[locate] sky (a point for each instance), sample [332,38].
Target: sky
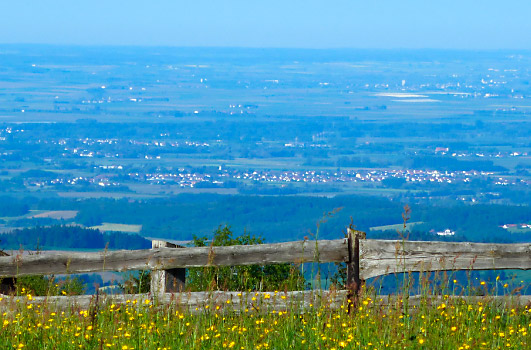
[384,24]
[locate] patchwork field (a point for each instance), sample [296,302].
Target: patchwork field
[398,227]
[57,214]
[107,226]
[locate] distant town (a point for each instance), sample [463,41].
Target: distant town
[194,122]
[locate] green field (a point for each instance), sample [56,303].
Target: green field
[517,230]
[56,214]
[107,226]
[30,214]
[398,227]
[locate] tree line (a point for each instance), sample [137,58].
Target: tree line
[70,237]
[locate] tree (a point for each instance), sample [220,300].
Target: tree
[244,278]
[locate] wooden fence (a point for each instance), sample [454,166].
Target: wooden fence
[364,259]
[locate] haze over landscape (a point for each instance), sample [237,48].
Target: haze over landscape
[111,108]
[243,122]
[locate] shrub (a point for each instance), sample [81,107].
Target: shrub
[253,277]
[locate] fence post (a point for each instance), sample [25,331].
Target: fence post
[167,281]
[353,266]
[7,284]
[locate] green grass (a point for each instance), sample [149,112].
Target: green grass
[374,323]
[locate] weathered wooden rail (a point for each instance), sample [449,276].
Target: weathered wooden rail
[364,258]
[380,257]
[198,302]
[163,258]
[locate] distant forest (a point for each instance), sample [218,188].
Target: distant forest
[271,217]
[71,237]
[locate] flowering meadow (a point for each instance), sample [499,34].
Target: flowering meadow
[372,323]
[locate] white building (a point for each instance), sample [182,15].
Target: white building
[446,232]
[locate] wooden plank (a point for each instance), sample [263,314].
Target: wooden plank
[168,258]
[418,300]
[297,301]
[197,302]
[381,257]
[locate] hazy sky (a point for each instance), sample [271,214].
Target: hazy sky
[477,24]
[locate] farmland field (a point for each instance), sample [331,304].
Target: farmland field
[517,230]
[107,226]
[396,227]
[56,214]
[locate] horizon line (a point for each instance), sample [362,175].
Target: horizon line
[345,48]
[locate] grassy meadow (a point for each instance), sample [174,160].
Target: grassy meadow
[373,323]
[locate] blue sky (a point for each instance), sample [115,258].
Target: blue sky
[456,24]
